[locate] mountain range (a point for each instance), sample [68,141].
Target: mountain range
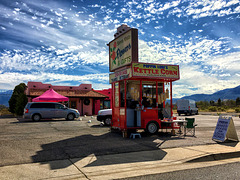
[5,96]
[231,93]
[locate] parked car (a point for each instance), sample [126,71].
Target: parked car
[105,116]
[47,110]
[187,107]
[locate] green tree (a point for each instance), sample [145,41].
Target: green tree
[230,103]
[18,99]
[219,102]
[212,103]
[238,101]
[202,105]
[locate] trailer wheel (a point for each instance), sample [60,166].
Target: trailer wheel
[152,127]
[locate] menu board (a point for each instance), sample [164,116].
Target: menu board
[221,129]
[225,129]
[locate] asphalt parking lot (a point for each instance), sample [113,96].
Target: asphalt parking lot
[29,142]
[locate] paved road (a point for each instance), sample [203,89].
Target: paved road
[223,172]
[26,141]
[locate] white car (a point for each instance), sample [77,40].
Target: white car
[105,116]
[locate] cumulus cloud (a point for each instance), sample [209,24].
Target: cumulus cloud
[14,79]
[202,73]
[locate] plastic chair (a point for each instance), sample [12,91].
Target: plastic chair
[190,126]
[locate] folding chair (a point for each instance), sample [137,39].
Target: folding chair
[190,126]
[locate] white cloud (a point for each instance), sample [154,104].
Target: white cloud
[210,8]
[173,52]
[66,59]
[204,74]
[16,78]
[226,63]
[194,81]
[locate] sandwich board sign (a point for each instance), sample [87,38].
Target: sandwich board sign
[225,130]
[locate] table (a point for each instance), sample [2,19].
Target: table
[170,123]
[181,123]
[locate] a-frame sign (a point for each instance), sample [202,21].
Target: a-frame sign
[225,130]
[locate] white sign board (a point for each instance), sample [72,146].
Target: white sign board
[120,51]
[225,130]
[120,75]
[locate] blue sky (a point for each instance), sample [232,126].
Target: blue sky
[64,42]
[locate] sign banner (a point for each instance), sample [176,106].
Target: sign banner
[120,51]
[120,75]
[155,70]
[123,50]
[225,130]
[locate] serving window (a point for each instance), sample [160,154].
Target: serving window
[149,94]
[133,93]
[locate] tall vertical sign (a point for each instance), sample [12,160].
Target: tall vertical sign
[123,50]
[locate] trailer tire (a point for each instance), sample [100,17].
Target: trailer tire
[152,127]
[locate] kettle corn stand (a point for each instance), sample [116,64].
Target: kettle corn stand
[140,90]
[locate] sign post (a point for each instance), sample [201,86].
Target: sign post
[225,130]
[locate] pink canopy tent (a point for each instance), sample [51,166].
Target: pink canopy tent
[50,96]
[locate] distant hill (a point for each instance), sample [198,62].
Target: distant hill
[231,93]
[5,96]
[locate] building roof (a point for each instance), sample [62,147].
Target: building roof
[68,93]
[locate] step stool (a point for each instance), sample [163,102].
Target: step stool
[133,135]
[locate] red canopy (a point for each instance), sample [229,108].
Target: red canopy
[50,96]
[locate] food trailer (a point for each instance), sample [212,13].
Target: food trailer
[140,90]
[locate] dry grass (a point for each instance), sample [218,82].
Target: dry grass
[230,111]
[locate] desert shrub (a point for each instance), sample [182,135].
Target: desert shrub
[212,108]
[2,107]
[4,112]
[222,109]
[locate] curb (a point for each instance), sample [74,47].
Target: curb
[216,157]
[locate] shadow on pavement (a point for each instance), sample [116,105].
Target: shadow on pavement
[114,148]
[229,143]
[215,157]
